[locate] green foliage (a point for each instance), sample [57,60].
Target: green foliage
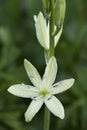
[18,41]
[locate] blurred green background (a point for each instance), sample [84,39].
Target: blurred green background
[18,41]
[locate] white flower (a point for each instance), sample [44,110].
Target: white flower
[42,31]
[43,90]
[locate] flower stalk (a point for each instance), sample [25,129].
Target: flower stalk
[43,91]
[50,54]
[46,119]
[51,31]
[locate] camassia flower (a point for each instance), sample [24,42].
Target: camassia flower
[42,31]
[43,90]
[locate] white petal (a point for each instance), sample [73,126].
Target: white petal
[50,73]
[42,30]
[57,37]
[32,73]
[33,108]
[62,86]
[55,106]
[22,90]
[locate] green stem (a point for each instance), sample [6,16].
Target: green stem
[51,51]
[50,54]
[46,119]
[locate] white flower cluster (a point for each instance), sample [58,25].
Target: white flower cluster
[43,89]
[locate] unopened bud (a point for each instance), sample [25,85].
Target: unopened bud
[60,7]
[46,7]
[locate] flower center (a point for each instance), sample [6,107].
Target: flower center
[44,92]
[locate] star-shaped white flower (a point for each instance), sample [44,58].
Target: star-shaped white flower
[42,31]
[43,90]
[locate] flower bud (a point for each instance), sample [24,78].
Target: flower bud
[46,7]
[46,4]
[60,7]
[42,31]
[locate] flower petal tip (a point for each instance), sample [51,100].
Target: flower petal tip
[35,18]
[11,90]
[40,14]
[62,116]
[25,60]
[53,57]
[27,119]
[8,89]
[72,81]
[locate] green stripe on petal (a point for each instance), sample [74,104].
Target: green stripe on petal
[33,108]
[22,90]
[50,73]
[55,106]
[62,86]
[32,73]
